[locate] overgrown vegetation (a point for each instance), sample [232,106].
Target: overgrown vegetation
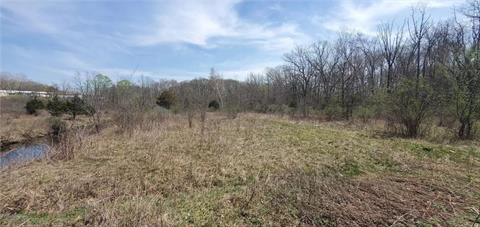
[214,105]
[414,76]
[33,105]
[56,106]
[166,99]
[253,170]
[358,131]
[76,106]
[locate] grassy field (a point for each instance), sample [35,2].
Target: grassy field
[254,170]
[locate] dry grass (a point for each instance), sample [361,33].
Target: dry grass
[15,125]
[253,170]
[14,104]
[17,128]
[319,200]
[22,128]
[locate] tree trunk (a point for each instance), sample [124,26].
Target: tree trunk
[305,106]
[464,131]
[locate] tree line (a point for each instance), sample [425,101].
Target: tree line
[9,81]
[409,74]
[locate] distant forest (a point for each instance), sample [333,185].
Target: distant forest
[9,81]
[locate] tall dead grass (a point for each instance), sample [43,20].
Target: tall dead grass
[252,170]
[320,199]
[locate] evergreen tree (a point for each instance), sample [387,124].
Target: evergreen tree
[33,105]
[55,106]
[166,99]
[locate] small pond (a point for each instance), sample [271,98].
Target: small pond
[23,154]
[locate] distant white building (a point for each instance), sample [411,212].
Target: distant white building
[33,93]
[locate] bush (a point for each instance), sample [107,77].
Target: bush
[33,105]
[333,111]
[56,107]
[439,134]
[260,108]
[166,99]
[57,127]
[214,105]
[76,106]
[409,105]
[292,104]
[127,119]
[364,113]
[65,140]
[278,109]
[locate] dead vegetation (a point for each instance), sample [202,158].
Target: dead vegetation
[319,200]
[16,128]
[252,170]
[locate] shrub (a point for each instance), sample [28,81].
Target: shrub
[128,118]
[278,109]
[56,107]
[33,105]
[65,140]
[89,110]
[214,105]
[409,105]
[333,111]
[57,127]
[364,113]
[260,108]
[292,104]
[166,99]
[75,106]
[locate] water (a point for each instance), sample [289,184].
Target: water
[23,154]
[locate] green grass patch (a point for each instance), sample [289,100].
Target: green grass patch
[71,217]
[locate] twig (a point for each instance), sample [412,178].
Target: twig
[476,221]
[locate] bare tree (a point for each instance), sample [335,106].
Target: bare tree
[465,71]
[217,86]
[418,28]
[391,42]
[370,49]
[95,91]
[301,70]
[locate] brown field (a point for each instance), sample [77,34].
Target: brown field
[19,128]
[253,170]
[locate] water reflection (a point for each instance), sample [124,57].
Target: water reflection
[23,154]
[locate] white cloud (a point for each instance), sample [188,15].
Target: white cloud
[233,70]
[201,22]
[189,21]
[37,16]
[361,17]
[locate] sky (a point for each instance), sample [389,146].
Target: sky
[50,41]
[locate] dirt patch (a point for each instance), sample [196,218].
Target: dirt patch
[317,200]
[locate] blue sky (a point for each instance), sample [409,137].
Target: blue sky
[49,41]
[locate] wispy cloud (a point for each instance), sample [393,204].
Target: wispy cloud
[70,41]
[191,22]
[175,38]
[209,23]
[364,17]
[27,17]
